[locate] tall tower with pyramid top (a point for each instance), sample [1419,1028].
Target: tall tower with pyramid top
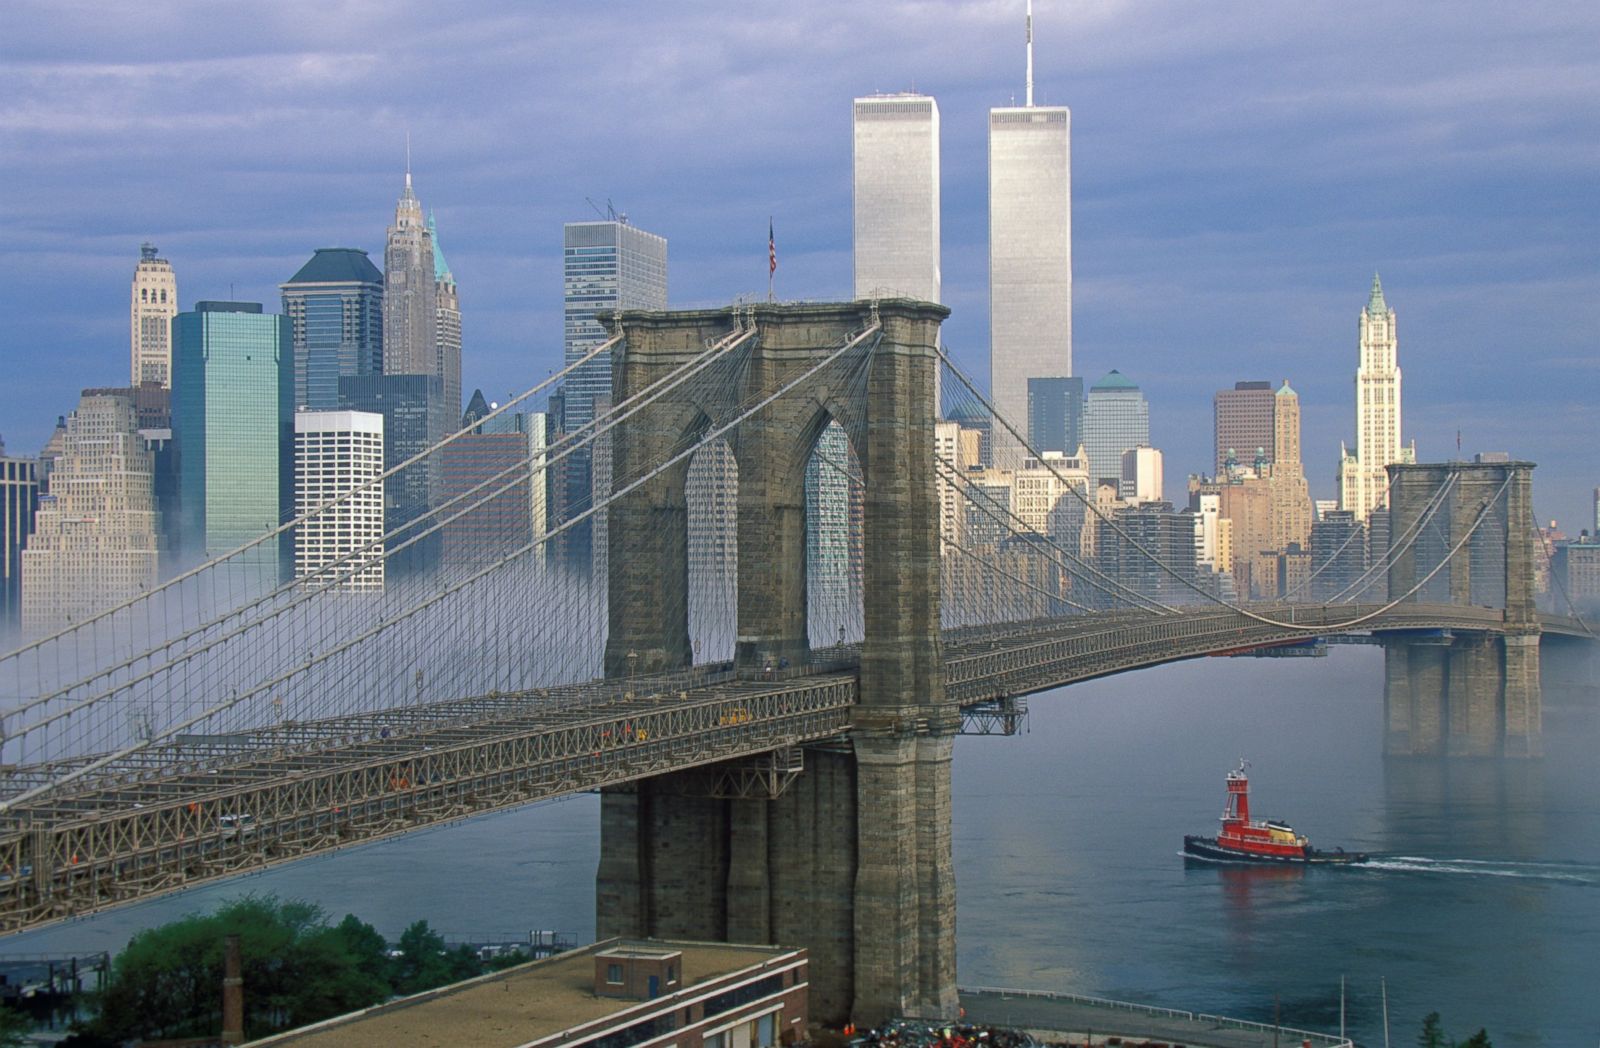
[1363,475]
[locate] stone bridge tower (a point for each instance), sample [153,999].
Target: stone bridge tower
[1464,694]
[853,860]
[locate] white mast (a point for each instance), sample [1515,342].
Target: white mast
[1030,54]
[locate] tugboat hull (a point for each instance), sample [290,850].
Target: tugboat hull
[1210,849]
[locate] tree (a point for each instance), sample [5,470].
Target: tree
[167,982]
[1478,1040]
[425,961]
[1432,1035]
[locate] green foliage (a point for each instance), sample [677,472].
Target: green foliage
[1432,1035]
[14,1028]
[297,970]
[425,961]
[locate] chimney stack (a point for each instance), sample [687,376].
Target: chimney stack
[232,993]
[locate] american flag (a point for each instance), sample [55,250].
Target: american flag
[772,251]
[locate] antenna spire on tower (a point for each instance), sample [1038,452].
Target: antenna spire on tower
[1029,94]
[408,157]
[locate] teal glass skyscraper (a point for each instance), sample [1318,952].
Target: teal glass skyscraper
[335,308]
[232,419]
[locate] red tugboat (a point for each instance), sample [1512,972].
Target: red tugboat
[1244,840]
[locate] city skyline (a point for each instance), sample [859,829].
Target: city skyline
[1194,267]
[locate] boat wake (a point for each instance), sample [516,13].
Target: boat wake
[1560,872]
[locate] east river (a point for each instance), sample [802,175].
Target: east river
[1482,901]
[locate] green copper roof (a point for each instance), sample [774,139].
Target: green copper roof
[1285,391]
[338,265]
[1114,380]
[441,268]
[1375,303]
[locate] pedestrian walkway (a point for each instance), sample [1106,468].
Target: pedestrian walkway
[1058,1016]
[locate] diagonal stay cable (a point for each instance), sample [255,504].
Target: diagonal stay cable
[287,525]
[1079,567]
[1167,568]
[874,328]
[355,560]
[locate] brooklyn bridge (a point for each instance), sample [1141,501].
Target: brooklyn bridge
[774,761]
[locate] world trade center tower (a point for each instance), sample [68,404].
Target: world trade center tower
[1030,256]
[896,161]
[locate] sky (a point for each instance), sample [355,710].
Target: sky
[1240,171]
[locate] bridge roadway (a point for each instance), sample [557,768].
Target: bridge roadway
[205,807]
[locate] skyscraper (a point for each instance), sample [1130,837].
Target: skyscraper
[496,519]
[1291,496]
[410,295]
[606,266]
[447,322]
[335,308]
[413,409]
[19,500]
[1363,478]
[896,193]
[1244,422]
[155,303]
[232,422]
[1115,418]
[1055,414]
[94,539]
[1030,254]
[335,453]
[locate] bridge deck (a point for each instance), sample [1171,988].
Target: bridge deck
[205,807]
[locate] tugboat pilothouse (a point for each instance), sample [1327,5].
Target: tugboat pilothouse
[1245,840]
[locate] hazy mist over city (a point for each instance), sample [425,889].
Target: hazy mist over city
[1239,173]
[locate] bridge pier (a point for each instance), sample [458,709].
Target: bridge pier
[1474,694]
[853,860]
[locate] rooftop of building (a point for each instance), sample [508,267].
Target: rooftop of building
[1375,301]
[227,307]
[338,265]
[519,1005]
[1113,380]
[441,268]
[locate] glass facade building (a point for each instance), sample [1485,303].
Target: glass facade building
[19,500]
[413,409]
[232,423]
[606,266]
[1115,418]
[1030,259]
[1055,414]
[335,308]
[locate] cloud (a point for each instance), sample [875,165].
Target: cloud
[1239,171]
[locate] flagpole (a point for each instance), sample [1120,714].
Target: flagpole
[772,258]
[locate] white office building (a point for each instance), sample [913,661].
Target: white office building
[337,452]
[1363,474]
[94,537]
[155,303]
[896,191]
